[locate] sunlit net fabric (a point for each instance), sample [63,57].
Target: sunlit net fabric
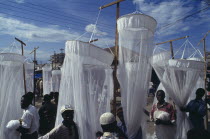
[179,78]
[136,33]
[86,84]
[56,78]
[11,89]
[47,79]
[29,71]
[160,58]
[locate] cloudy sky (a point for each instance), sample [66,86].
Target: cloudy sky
[49,23]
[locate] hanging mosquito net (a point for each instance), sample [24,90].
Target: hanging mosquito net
[29,70]
[86,84]
[179,77]
[56,78]
[136,33]
[11,89]
[47,79]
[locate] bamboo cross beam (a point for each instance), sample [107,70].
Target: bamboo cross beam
[204,37]
[93,40]
[110,4]
[22,44]
[171,44]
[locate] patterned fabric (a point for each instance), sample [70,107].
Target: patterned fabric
[166,107]
[197,110]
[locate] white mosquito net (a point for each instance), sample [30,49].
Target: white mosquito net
[29,71]
[56,78]
[47,79]
[11,89]
[136,32]
[179,78]
[86,84]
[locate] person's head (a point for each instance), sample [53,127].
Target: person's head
[52,95]
[47,98]
[200,92]
[108,122]
[67,113]
[25,101]
[160,95]
[31,96]
[120,114]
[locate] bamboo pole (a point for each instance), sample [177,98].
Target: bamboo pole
[205,79]
[34,51]
[24,74]
[116,53]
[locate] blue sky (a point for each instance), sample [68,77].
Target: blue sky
[49,23]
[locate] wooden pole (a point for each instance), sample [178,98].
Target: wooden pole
[34,51]
[172,51]
[116,53]
[24,74]
[205,79]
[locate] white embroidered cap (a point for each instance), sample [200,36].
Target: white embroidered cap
[66,107]
[107,118]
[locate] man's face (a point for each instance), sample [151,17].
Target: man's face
[68,115]
[24,103]
[160,96]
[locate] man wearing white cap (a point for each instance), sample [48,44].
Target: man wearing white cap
[66,130]
[110,128]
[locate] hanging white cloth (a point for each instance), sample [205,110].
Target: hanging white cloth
[56,78]
[136,33]
[11,89]
[86,84]
[29,71]
[179,78]
[47,79]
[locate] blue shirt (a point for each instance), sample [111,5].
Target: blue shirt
[197,110]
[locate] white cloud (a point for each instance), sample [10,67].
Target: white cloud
[167,12]
[93,28]
[20,1]
[34,33]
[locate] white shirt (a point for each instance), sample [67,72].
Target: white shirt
[30,119]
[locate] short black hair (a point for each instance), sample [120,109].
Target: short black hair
[47,97]
[200,91]
[162,92]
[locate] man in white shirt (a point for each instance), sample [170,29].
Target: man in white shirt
[29,122]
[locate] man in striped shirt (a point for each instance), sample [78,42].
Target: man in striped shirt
[66,130]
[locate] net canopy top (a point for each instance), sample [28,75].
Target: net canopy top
[12,57]
[88,51]
[136,22]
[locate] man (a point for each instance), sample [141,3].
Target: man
[66,130]
[122,126]
[163,114]
[29,122]
[110,128]
[196,109]
[47,114]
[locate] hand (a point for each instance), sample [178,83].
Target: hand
[158,122]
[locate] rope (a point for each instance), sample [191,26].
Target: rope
[95,25]
[185,45]
[178,50]
[81,36]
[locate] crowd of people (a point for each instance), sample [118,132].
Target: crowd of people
[41,124]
